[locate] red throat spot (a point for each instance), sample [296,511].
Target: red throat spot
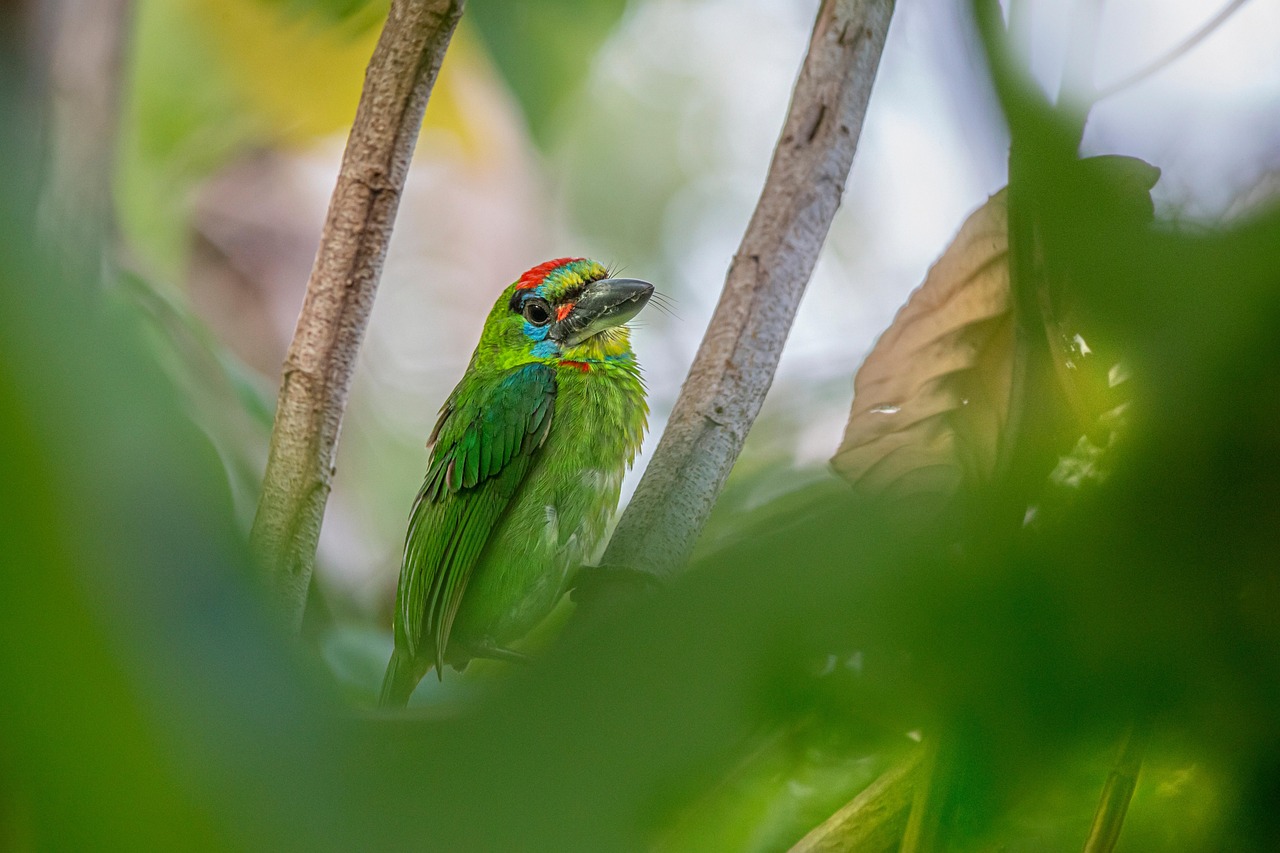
[581,365]
[533,277]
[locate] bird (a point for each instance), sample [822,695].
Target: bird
[526,465]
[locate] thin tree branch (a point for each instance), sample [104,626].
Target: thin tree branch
[1118,791]
[873,821]
[923,830]
[319,365]
[1173,55]
[735,364]
[86,75]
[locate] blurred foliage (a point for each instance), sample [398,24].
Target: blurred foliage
[544,50]
[213,79]
[789,780]
[336,11]
[233,406]
[151,704]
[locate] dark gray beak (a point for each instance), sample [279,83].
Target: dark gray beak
[605,304]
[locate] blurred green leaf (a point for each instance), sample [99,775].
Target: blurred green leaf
[544,50]
[787,783]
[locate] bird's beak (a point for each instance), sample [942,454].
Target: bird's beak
[605,304]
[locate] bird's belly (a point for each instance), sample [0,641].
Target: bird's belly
[550,531]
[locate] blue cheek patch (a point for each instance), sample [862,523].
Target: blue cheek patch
[543,347]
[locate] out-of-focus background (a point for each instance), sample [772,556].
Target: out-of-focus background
[634,132]
[151,700]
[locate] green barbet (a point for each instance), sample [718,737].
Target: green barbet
[526,466]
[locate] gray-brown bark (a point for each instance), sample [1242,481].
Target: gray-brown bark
[739,354]
[319,365]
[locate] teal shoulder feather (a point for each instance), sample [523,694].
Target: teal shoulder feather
[485,443]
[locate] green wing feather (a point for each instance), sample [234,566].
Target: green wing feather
[485,443]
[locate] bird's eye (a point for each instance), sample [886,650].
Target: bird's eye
[537,311]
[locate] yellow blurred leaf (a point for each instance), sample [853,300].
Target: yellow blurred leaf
[301,76]
[217,80]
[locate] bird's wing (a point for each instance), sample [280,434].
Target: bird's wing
[485,445]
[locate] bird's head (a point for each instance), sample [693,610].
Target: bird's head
[568,309]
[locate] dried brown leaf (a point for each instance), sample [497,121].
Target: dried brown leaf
[932,398]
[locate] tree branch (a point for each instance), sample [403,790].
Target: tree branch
[739,354]
[86,75]
[923,831]
[1108,820]
[873,821]
[319,365]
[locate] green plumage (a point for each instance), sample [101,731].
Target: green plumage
[526,465]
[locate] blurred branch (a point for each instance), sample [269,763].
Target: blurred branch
[1173,55]
[1042,141]
[1044,173]
[85,78]
[923,831]
[319,365]
[739,353]
[1043,153]
[1118,791]
[871,822]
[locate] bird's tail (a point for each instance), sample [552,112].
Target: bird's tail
[403,675]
